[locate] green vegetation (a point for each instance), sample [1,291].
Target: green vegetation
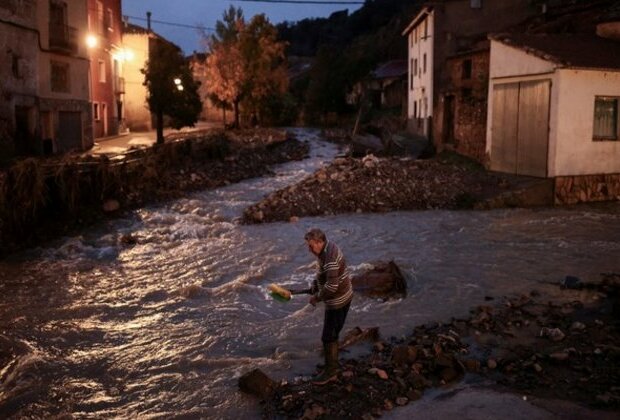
[172,90]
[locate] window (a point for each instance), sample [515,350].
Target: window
[100,23]
[466,70]
[110,20]
[415,109]
[411,74]
[59,79]
[96,113]
[425,28]
[476,4]
[15,67]
[102,71]
[424,63]
[415,67]
[605,118]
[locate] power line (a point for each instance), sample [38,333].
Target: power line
[327,2]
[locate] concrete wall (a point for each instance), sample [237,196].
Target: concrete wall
[137,114]
[575,153]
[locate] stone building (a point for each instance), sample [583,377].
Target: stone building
[44,69]
[443,30]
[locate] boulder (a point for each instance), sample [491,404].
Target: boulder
[357,334]
[384,280]
[257,383]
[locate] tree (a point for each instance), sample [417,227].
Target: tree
[172,90]
[246,64]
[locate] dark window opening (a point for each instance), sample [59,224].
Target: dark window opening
[466,70]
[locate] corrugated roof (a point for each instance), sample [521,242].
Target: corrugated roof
[567,50]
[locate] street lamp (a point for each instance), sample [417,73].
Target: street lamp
[91,41]
[177,82]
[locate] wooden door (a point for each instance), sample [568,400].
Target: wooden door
[520,128]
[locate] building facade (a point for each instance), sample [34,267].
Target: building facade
[107,57]
[553,111]
[45,97]
[443,29]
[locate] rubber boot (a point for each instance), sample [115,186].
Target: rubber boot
[330,373]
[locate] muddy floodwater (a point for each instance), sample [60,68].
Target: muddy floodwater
[164,328]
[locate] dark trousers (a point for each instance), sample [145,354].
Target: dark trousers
[333,323]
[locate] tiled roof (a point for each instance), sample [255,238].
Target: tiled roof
[567,50]
[391,69]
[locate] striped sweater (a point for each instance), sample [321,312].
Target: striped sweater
[333,282]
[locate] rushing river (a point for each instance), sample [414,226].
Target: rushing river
[163,329]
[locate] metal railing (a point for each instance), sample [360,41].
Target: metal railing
[63,38]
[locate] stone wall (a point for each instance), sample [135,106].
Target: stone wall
[586,188]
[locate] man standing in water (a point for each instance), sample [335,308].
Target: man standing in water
[332,286]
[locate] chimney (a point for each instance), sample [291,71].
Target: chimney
[148,21]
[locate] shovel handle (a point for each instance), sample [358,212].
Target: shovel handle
[301,291]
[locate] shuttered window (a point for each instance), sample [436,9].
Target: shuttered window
[605,118]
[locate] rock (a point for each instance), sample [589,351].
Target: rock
[414,395]
[257,383]
[128,239]
[577,326]
[402,355]
[559,356]
[388,405]
[555,334]
[384,280]
[258,216]
[110,206]
[472,365]
[448,374]
[294,219]
[402,401]
[537,367]
[491,363]
[379,372]
[313,412]
[356,335]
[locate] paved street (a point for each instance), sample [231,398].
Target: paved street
[120,143]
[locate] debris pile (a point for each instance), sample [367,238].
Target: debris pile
[372,184]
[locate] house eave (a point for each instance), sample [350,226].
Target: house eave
[418,19]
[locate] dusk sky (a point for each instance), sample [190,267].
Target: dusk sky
[207,12]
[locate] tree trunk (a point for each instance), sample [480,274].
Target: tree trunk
[160,126]
[236,107]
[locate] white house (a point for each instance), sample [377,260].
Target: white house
[420,81]
[553,112]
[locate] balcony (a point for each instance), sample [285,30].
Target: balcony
[119,85]
[63,38]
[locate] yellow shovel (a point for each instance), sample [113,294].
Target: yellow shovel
[281,294]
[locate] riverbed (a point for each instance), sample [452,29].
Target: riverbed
[165,327]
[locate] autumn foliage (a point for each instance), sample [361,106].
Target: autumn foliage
[246,67]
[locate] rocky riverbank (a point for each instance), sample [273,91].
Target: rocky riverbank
[372,184]
[551,344]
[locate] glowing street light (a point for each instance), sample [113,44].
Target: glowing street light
[177,82]
[91,41]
